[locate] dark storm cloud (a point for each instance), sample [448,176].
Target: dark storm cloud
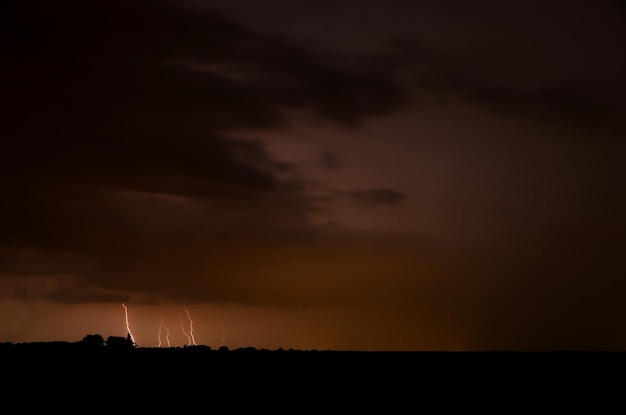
[374,197]
[330,160]
[558,104]
[139,86]
[117,177]
[145,59]
[597,107]
[557,63]
[115,163]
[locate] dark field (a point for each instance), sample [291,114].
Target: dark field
[197,378]
[359,365]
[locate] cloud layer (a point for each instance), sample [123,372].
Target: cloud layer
[125,175]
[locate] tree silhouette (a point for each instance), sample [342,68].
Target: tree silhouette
[120,343]
[92,341]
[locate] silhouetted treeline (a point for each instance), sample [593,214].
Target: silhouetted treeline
[95,365]
[96,342]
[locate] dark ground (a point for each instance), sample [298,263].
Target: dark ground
[296,381]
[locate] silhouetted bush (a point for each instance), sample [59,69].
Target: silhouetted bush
[92,341]
[120,343]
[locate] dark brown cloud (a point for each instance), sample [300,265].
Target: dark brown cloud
[114,163]
[557,64]
[139,59]
[121,180]
[597,111]
[330,160]
[374,197]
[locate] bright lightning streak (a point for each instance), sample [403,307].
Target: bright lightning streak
[167,337]
[182,326]
[162,327]
[193,340]
[127,324]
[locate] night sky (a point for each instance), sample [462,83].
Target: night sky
[315,174]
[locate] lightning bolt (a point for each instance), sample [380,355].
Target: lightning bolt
[162,327]
[127,324]
[182,326]
[190,337]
